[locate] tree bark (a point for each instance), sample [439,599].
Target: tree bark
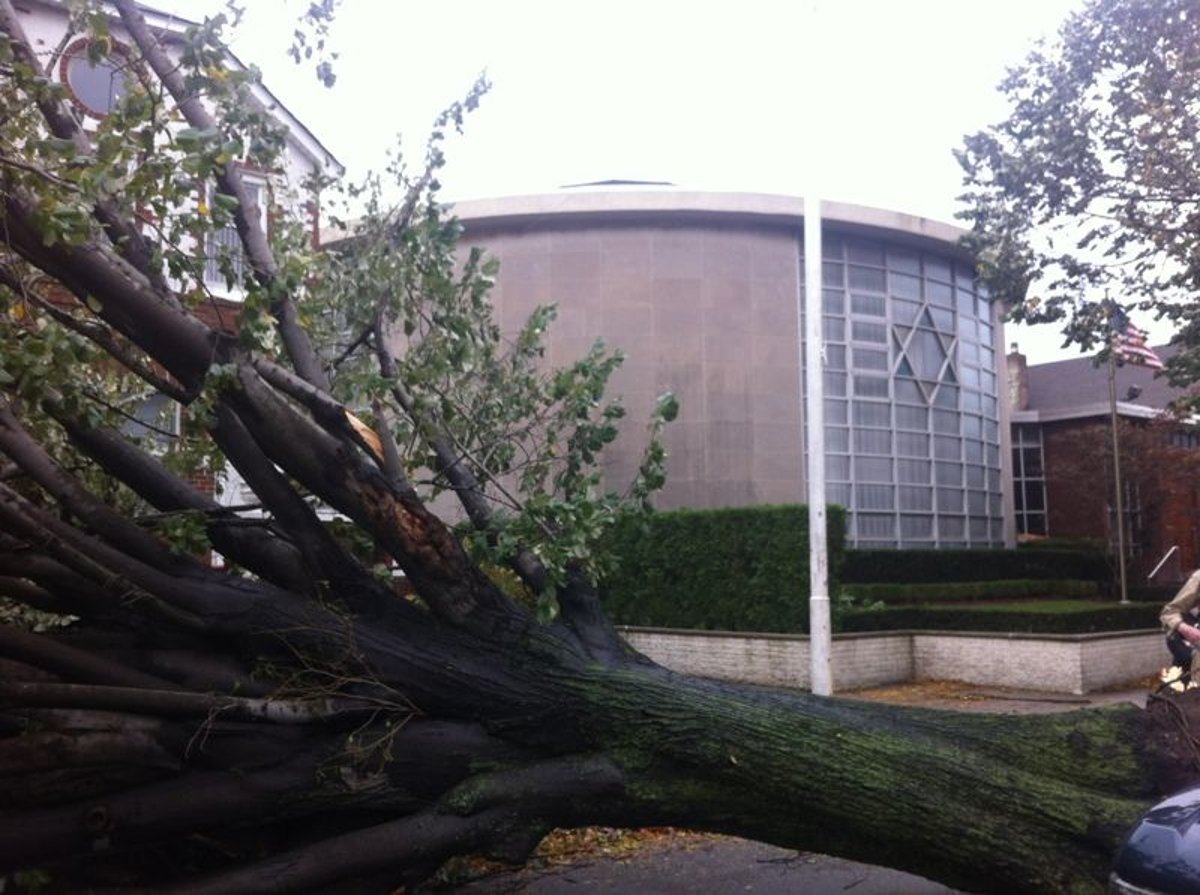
[989,804]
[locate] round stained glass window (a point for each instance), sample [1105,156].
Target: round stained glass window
[96,85]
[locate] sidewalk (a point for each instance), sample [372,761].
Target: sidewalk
[699,864]
[961,697]
[690,863]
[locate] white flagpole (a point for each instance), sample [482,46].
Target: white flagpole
[820,637]
[819,629]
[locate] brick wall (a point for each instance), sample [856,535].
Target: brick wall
[1079,483]
[1108,660]
[1076,664]
[1022,663]
[779,660]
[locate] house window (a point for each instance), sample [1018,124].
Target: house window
[1188,439]
[154,419]
[226,267]
[97,81]
[1029,480]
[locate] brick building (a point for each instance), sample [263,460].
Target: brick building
[1063,470]
[93,86]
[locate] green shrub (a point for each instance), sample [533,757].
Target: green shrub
[1045,617]
[958,591]
[1157,593]
[737,569]
[917,566]
[1072,545]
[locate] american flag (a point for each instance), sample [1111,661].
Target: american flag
[1129,342]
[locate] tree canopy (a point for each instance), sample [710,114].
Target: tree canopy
[1089,188]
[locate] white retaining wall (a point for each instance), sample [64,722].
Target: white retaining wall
[1077,663]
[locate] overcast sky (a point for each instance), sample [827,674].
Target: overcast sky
[701,95]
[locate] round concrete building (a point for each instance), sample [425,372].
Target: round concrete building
[701,292]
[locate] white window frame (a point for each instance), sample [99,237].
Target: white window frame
[226,240]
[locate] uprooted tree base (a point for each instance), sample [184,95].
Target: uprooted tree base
[497,741]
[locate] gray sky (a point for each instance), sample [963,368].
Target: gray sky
[703,95]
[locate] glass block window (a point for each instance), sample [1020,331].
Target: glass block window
[903,286]
[949,500]
[951,526]
[837,468]
[913,526]
[872,413]
[868,332]
[867,279]
[871,386]
[837,439]
[838,493]
[874,525]
[876,497]
[912,418]
[872,469]
[870,359]
[872,441]
[915,471]
[913,375]
[912,444]
[868,305]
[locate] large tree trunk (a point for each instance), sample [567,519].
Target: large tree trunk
[462,744]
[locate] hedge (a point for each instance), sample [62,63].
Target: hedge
[917,566]
[957,591]
[1086,545]
[1054,618]
[737,569]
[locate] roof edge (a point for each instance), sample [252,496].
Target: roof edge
[756,208]
[1084,411]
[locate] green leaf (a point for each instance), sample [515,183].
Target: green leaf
[668,406]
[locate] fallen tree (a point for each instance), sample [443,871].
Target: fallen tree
[295,720]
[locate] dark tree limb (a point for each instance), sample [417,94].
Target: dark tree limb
[425,548]
[450,464]
[75,498]
[192,801]
[331,414]
[75,594]
[71,663]
[31,595]
[506,813]
[36,753]
[175,703]
[583,614]
[254,547]
[318,553]
[126,300]
[253,237]
[196,604]
[103,337]
[124,235]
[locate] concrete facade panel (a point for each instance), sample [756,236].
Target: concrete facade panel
[700,291]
